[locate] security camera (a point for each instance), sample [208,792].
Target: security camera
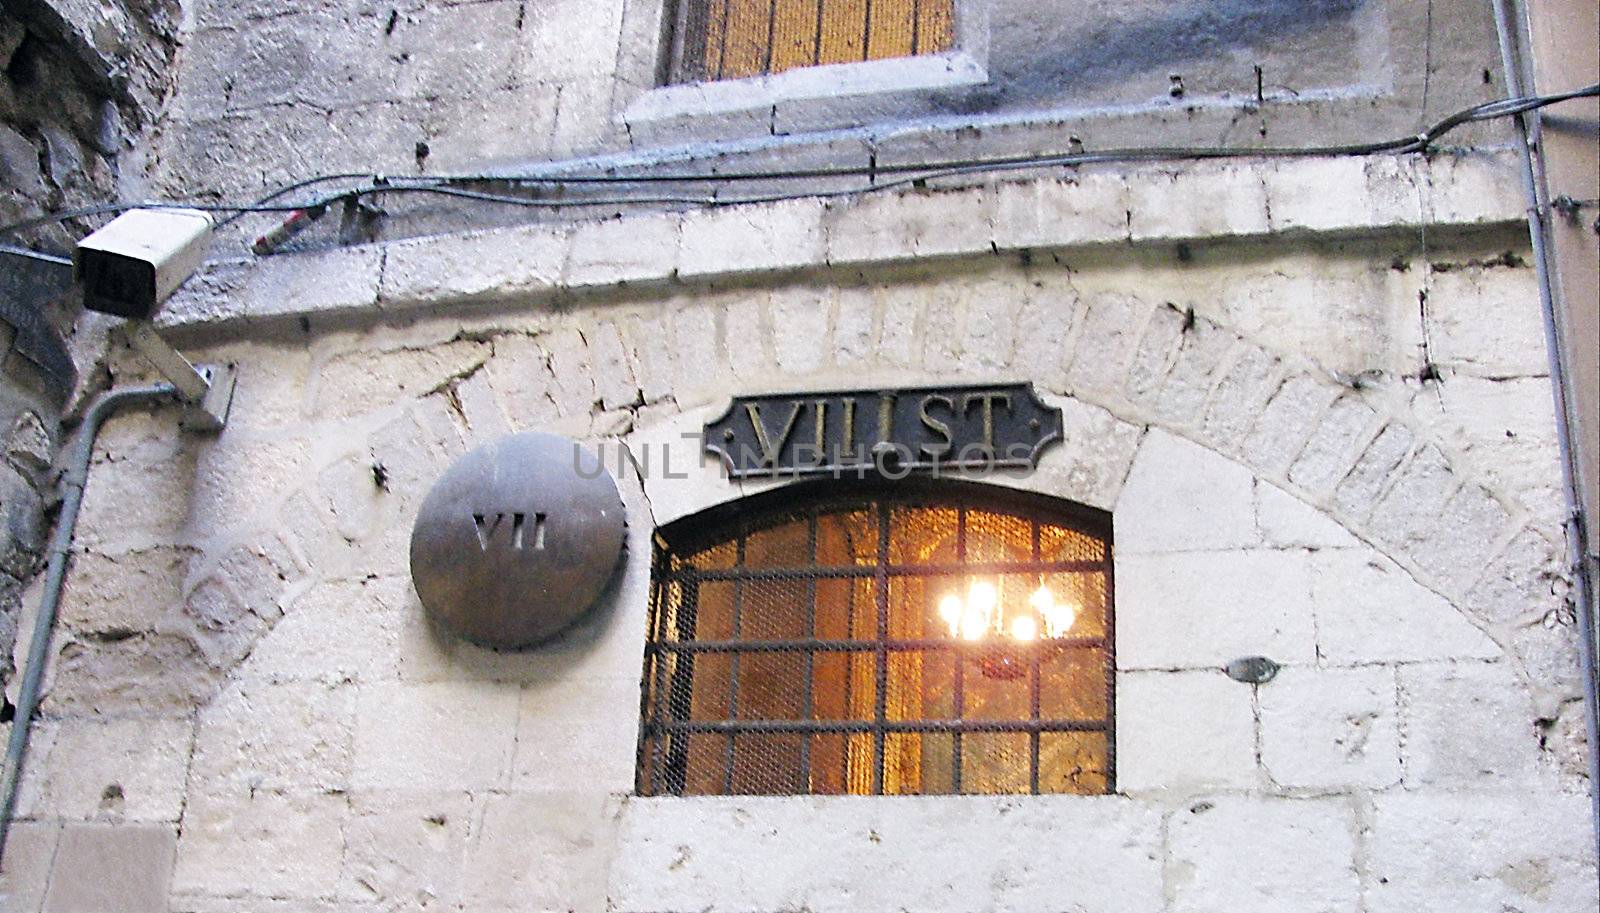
[129,267]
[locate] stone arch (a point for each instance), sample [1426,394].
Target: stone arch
[1347,447]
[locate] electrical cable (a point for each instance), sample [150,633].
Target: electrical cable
[448,185]
[34,255]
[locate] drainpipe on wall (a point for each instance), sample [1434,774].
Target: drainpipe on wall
[73,480]
[1567,420]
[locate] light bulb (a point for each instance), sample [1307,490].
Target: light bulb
[974,624]
[982,597]
[1059,620]
[1023,627]
[950,610]
[1042,600]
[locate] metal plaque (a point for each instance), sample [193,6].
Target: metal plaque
[889,432]
[517,540]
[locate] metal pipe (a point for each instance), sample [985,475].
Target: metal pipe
[1538,229]
[73,481]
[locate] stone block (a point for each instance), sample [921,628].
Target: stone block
[1184,731]
[129,770]
[1416,499]
[613,376]
[451,51]
[1090,465]
[1288,420]
[989,336]
[419,736]
[25,874]
[854,331]
[1205,609]
[333,632]
[112,594]
[1486,321]
[1301,857]
[1524,582]
[755,237]
[697,351]
[1197,202]
[900,343]
[505,126]
[330,282]
[1181,497]
[569,39]
[1286,521]
[1331,728]
[1464,537]
[1181,394]
[1507,424]
[521,376]
[568,353]
[217,622]
[135,502]
[915,854]
[1501,850]
[631,249]
[1241,392]
[550,851]
[111,869]
[1156,352]
[1334,446]
[1467,725]
[295,735]
[475,266]
[149,674]
[1049,310]
[1370,610]
[679,477]
[406,848]
[1106,342]
[589,118]
[1549,655]
[1087,208]
[354,383]
[1475,187]
[578,734]
[263,844]
[1318,194]
[801,315]
[901,225]
[1356,495]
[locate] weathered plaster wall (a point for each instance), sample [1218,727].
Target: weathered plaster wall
[249,711]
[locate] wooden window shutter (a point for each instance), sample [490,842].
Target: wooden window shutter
[734,39]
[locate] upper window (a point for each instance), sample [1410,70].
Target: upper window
[904,639]
[732,39]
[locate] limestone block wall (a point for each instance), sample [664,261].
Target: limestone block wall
[1334,449]
[272,92]
[79,83]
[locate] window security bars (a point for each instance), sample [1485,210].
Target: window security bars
[814,647]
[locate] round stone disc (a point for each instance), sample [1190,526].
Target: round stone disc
[517,540]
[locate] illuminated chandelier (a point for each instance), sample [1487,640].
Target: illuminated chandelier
[1000,638]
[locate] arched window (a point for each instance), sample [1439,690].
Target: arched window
[912,638]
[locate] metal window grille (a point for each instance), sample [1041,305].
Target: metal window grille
[796,647]
[732,39]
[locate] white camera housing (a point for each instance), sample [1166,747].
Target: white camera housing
[129,267]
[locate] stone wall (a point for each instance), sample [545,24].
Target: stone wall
[1335,449]
[79,84]
[273,92]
